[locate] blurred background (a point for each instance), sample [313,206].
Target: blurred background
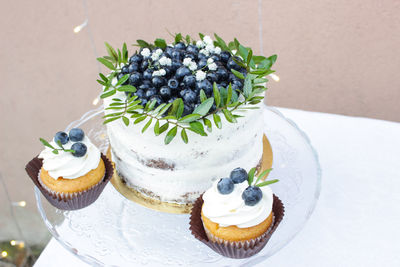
[333,56]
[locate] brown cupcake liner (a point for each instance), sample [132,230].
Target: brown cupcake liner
[69,201]
[236,250]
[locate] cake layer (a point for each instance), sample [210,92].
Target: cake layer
[180,172]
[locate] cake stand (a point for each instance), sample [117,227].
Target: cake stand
[115,231]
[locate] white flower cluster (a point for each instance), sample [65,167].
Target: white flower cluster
[211,64]
[188,62]
[156,54]
[200,75]
[165,61]
[145,52]
[207,47]
[160,72]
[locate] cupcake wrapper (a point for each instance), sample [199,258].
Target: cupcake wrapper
[71,201]
[236,250]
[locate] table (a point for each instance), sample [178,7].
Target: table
[357,219]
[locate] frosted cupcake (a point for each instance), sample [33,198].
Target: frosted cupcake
[238,214]
[72,171]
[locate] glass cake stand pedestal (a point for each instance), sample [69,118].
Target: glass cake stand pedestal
[115,231]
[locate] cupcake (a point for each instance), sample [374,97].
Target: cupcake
[238,215]
[72,171]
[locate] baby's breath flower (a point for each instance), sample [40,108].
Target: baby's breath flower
[192,66]
[200,75]
[145,52]
[212,66]
[187,61]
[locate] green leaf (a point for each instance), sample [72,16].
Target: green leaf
[147,125]
[123,79]
[55,151]
[221,43]
[106,63]
[119,56]
[104,78]
[262,175]
[124,53]
[187,39]
[260,80]
[273,59]
[217,96]
[111,119]
[229,95]
[140,119]
[150,105]
[184,136]
[178,38]
[125,120]
[164,109]
[111,51]
[204,107]
[170,135]
[175,105]
[45,143]
[249,56]
[179,110]
[267,183]
[157,128]
[228,115]
[101,82]
[217,120]
[169,117]
[208,123]
[108,93]
[142,43]
[243,52]
[197,127]
[164,127]
[160,43]
[251,175]
[247,86]
[258,59]
[113,114]
[201,36]
[203,95]
[238,74]
[190,118]
[127,88]
[159,108]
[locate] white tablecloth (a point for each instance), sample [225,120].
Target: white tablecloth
[357,219]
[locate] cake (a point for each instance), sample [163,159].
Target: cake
[72,164]
[181,115]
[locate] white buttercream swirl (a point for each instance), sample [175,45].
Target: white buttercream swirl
[67,166]
[230,209]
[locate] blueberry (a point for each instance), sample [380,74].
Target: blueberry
[136,58]
[165,92]
[144,65]
[168,50]
[222,74]
[62,137]
[125,69]
[76,134]
[79,148]
[212,77]
[135,78]
[182,72]
[148,74]
[225,56]
[168,71]
[140,93]
[189,81]
[143,101]
[157,98]
[151,92]
[133,67]
[238,175]
[216,58]
[223,84]
[172,99]
[187,109]
[202,63]
[180,46]
[205,85]
[192,49]
[173,84]
[235,87]
[176,55]
[201,56]
[189,96]
[190,55]
[225,186]
[175,65]
[232,64]
[144,86]
[252,195]
[158,81]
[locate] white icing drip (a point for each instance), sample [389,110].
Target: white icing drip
[230,209]
[67,166]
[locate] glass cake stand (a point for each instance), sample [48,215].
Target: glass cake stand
[117,232]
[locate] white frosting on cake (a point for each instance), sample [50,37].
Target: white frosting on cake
[184,171]
[230,209]
[66,165]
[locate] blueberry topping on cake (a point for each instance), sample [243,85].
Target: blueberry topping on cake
[79,149]
[225,186]
[252,195]
[61,137]
[238,175]
[76,134]
[206,77]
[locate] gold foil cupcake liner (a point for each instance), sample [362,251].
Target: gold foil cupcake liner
[236,250]
[71,201]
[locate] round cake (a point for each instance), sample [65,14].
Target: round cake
[180,116]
